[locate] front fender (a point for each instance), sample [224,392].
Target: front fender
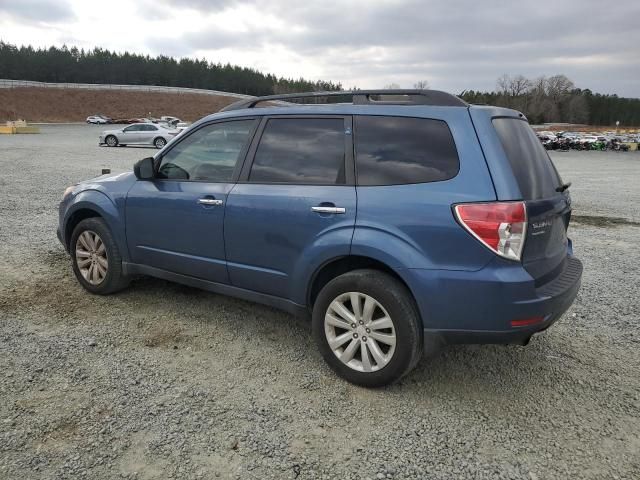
[103,205]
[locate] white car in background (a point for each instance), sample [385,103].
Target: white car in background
[182,126]
[588,139]
[97,120]
[138,134]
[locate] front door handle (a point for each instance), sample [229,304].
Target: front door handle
[321,209]
[210,202]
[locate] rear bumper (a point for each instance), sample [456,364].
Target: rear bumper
[478,307]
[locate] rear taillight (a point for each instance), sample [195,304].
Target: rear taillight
[500,226]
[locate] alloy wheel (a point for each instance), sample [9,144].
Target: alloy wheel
[360,332]
[91,257]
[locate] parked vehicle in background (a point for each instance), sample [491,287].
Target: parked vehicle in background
[182,126]
[169,121]
[397,224]
[97,120]
[138,134]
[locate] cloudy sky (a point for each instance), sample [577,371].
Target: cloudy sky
[454,45]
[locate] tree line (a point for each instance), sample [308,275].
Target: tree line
[73,65]
[556,99]
[542,100]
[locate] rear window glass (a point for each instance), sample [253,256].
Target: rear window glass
[301,151]
[402,150]
[535,173]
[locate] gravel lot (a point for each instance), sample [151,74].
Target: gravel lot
[164,381]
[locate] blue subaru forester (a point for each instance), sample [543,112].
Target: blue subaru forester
[399,220]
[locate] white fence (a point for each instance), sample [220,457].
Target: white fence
[94,86]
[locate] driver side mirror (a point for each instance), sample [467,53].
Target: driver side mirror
[143,169]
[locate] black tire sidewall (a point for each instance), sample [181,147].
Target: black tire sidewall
[155,142]
[106,140]
[114,279]
[398,302]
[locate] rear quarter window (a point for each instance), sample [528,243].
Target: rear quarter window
[403,150]
[533,169]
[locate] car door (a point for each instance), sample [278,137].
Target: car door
[295,204]
[130,135]
[175,221]
[147,134]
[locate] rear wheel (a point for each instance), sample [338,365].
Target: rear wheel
[111,141]
[367,328]
[159,142]
[96,260]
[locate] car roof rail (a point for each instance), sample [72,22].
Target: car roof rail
[360,97]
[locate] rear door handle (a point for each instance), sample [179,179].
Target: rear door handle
[211,202]
[338,210]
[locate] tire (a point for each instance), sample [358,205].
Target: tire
[393,300]
[159,142]
[111,141]
[81,249]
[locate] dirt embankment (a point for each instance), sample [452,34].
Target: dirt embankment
[74,105]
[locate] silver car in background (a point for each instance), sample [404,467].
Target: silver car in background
[138,134]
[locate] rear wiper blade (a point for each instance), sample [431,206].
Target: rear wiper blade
[563,187]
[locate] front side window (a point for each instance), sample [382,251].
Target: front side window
[208,154]
[301,151]
[403,150]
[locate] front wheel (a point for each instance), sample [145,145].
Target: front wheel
[95,257]
[159,142]
[111,141]
[367,328]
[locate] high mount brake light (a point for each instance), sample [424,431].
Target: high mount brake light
[500,226]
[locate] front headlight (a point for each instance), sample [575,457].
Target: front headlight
[67,191]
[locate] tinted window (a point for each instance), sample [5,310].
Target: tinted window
[302,151]
[132,128]
[208,154]
[532,167]
[149,128]
[398,150]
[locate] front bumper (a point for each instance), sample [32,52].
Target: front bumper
[478,307]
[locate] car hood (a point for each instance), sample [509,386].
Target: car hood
[107,132]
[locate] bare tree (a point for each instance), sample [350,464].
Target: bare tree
[519,85]
[514,90]
[421,85]
[559,86]
[502,84]
[545,99]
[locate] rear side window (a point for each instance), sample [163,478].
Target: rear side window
[301,151]
[401,150]
[535,173]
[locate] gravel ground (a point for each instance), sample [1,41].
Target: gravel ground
[164,381]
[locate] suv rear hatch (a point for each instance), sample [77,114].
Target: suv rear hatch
[546,198]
